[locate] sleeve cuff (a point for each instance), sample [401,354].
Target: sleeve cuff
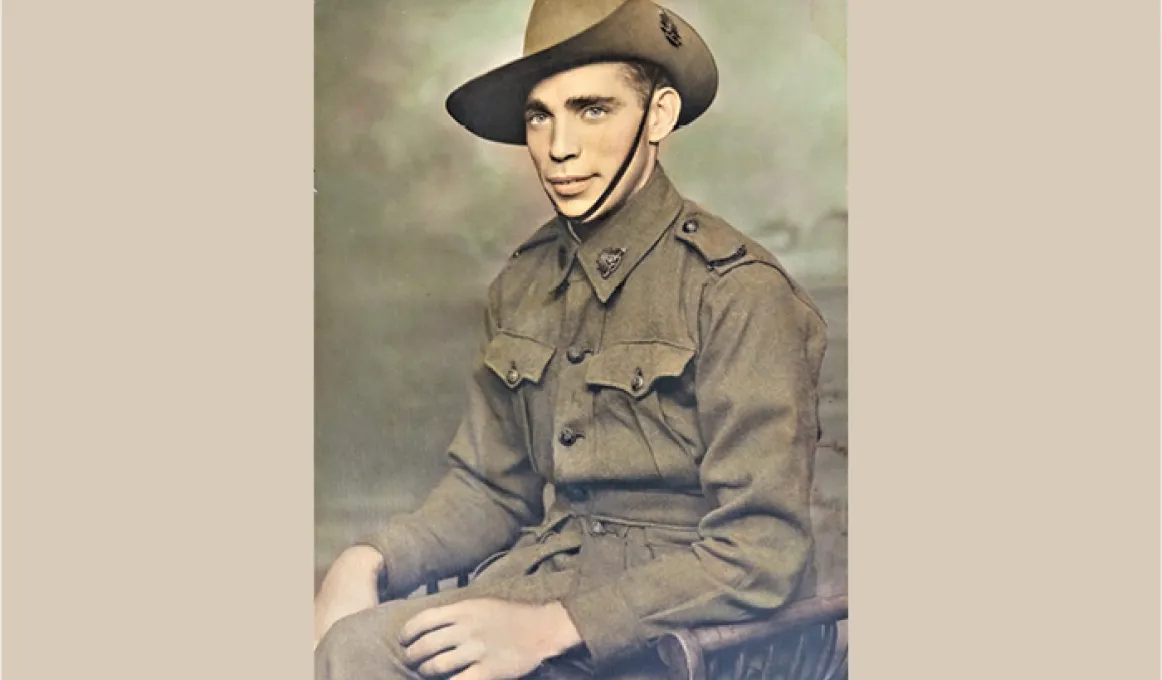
[606,624]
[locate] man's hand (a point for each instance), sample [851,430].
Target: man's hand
[486,639]
[350,586]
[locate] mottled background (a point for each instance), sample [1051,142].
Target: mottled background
[414,216]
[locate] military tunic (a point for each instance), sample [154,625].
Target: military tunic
[660,376]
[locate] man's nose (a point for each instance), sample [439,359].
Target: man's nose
[563,145]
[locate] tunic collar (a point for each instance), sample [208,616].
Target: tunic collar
[621,240]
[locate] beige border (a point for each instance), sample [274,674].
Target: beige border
[157,465]
[1004,340]
[157,287]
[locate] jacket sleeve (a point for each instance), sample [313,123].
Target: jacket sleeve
[756,377]
[480,504]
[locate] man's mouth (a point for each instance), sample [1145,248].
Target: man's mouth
[570,185]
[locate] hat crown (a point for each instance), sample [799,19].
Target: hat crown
[554,21]
[566,34]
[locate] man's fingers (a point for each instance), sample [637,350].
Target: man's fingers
[432,643]
[452,660]
[427,620]
[473,672]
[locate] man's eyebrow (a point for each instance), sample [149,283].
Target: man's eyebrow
[536,105]
[578,103]
[583,102]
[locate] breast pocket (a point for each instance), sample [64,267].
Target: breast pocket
[520,363]
[517,360]
[636,386]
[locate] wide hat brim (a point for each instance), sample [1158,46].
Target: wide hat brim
[492,105]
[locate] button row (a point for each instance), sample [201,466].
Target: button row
[569,436]
[576,355]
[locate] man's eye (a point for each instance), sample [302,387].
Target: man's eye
[594,112]
[536,118]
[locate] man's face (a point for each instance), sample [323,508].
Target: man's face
[580,125]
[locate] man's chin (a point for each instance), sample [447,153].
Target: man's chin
[573,207]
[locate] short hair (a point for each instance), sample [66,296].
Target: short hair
[641,74]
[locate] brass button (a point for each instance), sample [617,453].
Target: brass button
[597,528]
[513,375]
[568,437]
[638,381]
[690,226]
[575,355]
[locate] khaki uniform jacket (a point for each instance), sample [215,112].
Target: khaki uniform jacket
[661,376]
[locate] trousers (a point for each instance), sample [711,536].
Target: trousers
[365,646]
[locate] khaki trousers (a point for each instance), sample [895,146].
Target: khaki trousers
[365,646]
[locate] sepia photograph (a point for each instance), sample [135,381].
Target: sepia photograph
[580,339]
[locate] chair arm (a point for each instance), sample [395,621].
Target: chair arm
[795,615]
[684,652]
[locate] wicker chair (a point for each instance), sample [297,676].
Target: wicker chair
[802,641]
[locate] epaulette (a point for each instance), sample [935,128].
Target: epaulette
[545,233]
[723,248]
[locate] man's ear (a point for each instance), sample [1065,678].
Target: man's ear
[664,112]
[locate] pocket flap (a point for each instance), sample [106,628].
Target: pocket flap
[634,367]
[516,359]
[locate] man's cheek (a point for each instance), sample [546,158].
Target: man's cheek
[610,146]
[538,163]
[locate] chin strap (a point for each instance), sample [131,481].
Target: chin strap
[571,221]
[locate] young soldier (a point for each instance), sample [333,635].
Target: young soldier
[652,364]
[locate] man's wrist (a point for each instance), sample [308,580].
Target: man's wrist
[564,635]
[364,559]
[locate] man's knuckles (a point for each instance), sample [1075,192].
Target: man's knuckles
[425,648]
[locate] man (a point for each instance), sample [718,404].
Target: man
[652,365]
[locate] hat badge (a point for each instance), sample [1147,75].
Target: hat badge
[670,29]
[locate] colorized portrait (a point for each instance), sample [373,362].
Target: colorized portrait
[581,339]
